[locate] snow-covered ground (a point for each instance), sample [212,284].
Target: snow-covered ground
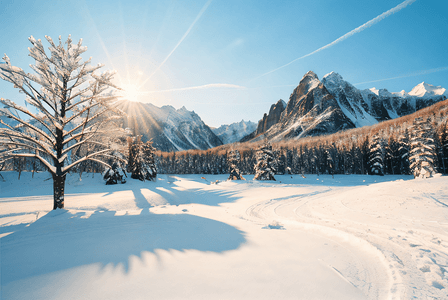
[351,237]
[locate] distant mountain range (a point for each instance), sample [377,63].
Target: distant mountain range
[170,129]
[314,108]
[323,107]
[234,132]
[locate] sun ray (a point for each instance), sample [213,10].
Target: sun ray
[204,8]
[95,28]
[125,50]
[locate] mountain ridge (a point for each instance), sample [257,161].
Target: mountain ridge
[231,133]
[317,107]
[170,129]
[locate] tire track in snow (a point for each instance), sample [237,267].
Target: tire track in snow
[411,264]
[366,275]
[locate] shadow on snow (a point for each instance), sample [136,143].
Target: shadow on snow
[61,240]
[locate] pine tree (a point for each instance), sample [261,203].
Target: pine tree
[376,159]
[330,163]
[75,108]
[403,150]
[422,153]
[141,159]
[233,159]
[150,170]
[264,169]
[442,149]
[115,174]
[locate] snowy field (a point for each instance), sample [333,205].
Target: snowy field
[351,237]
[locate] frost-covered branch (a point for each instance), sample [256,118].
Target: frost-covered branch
[88,157]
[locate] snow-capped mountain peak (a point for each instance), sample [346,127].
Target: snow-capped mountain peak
[234,132]
[427,90]
[402,94]
[375,91]
[384,93]
[333,78]
[310,81]
[322,107]
[170,129]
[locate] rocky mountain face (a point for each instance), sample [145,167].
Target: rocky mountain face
[234,132]
[268,120]
[323,107]
[311,110]
[272,117]
[363,105]
[169,129]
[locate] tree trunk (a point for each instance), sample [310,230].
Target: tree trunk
[58,191]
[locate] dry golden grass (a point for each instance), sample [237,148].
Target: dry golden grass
[347,138]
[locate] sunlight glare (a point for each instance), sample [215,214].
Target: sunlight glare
[130,92]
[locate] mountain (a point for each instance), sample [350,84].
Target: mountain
[234,132]
[169,129]
[311,110]
[426,90]
[268,120]
[322,107]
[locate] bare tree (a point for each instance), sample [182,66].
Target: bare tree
[74,106]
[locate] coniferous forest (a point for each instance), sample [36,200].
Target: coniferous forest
[412,145]
[416,145]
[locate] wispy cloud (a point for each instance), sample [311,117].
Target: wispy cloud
[407,75]
[349,34]
[204,8]
[199,87]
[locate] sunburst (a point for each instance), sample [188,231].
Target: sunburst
[130,92]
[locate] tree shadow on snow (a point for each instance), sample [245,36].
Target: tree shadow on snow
[148,194]
[61,240]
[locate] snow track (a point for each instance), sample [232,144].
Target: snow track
[391,260]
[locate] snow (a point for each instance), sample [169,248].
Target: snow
[427,90]
[401,94]
[181,237]
[363,119]
[333,79]
[375,91]
[313,83]
[336,84]
[236,131]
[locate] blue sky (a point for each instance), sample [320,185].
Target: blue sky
[209,56]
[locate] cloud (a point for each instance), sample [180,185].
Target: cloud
[349,34]
[199,87]
[407,75]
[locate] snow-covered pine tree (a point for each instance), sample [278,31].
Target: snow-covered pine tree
[330,162]
[141,160]
[75,106]
[376,152]
[150,170]
[392,156]
[233,159]
[422,154]
[264,167]
[403,150]
[443,150]
[115,174]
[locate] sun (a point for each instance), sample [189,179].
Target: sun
[130,92]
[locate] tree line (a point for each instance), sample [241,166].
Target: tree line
[417,146]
